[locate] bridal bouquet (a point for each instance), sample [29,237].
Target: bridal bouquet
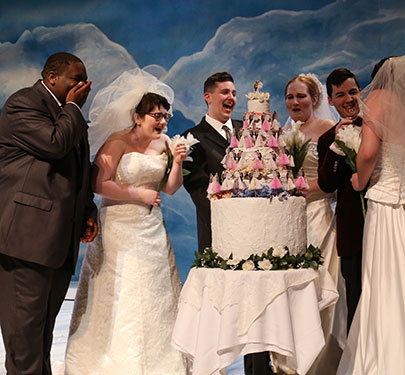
[189,142]
[348,139]
[295,145]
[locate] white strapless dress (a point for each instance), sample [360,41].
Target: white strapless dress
[321,232]
[376,342]
[126,302]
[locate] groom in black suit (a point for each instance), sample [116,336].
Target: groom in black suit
[214,133]
[46,208]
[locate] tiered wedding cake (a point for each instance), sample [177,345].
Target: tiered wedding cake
[258,205]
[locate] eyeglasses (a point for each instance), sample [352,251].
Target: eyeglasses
[160,116]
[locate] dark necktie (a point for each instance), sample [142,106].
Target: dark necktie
[228,133]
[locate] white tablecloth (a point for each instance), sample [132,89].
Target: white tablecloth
[225,314]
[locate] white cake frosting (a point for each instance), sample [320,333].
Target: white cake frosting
[259,102]
[258,205]
[245,226]
[255,105]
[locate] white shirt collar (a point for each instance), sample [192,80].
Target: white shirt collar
[217,125]
[53,95]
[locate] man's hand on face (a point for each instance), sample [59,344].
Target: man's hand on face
[78,94]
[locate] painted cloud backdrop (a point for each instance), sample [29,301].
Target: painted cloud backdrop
[271,47]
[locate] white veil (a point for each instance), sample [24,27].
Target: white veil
[113,106]
[323,109]
[384,106]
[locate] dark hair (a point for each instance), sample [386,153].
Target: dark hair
[379,65]
[211,82]
[147,103]
[337,77]
[58,63]
[312,87]
[150,101]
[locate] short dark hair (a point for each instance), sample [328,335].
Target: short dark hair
[147,103]
[58,63]
[337,77]
[379,65]
[211,82]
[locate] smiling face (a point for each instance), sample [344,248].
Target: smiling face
[61,83]
[345,98]
[299,103]
[221,101]
[148,126]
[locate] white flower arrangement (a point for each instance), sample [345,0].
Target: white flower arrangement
[189,141]
[351,136]
[273,259]
[293,136]
[295,145]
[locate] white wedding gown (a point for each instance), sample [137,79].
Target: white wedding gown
[376,342]
[126,302]
[321,232]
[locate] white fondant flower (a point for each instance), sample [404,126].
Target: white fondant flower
[265,265]
[248,266]
[279,252]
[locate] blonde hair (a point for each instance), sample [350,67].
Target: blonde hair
[312,86]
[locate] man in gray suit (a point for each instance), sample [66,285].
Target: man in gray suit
[46,207]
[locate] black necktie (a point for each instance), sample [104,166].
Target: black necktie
[228,133]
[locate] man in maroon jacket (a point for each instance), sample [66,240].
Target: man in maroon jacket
[335,174]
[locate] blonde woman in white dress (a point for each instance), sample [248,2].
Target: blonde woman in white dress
[303,97]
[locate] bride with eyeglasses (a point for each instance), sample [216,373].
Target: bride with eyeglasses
[127,296]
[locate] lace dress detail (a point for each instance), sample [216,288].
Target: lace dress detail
[127,297]
[321,232]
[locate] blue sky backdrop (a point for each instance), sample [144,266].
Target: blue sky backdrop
[184,41]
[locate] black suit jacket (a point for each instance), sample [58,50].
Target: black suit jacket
[207,156]
[335,174]
[45,197]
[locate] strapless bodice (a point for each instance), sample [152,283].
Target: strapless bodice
[387,184]
[140,170]
[310,167]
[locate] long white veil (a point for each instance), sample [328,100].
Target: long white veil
[384,105]
[112,107]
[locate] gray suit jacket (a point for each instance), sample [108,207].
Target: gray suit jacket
[45,197]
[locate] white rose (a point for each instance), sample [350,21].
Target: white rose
[279,252]
[265,265]
[248,266]
[233,262]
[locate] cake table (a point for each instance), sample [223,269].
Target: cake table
[224,314]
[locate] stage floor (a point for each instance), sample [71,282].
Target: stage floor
[61,333]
